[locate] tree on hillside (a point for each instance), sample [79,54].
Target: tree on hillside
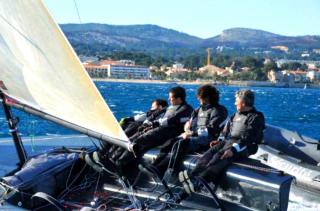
[159,75]
[193,62]
[294,66]
[252,62]
[222,60]
[259,74]
[159,61]
[270,66]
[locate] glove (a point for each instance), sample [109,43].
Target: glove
[123,121]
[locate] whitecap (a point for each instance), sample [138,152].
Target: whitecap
[298,202]
[52,134]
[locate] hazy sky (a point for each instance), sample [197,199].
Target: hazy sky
[202,18]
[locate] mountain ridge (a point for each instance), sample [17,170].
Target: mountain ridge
[169,42]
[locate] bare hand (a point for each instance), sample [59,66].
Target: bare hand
[187,126]
[227,154]
[185,135]
[212,143]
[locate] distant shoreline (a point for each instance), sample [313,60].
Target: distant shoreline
[149,81]
[230,83]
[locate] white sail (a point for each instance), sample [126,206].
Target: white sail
[39,69]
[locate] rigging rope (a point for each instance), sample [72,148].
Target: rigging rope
[32,134]
[80,21]
[76,6]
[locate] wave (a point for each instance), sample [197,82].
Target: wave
[53,134]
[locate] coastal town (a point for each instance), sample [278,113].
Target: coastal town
[301,73]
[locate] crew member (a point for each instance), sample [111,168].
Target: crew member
[132,124]
[242,135]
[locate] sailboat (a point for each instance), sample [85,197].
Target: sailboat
[40,74]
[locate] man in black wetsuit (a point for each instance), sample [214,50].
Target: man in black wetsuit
[134,127]
[205,125]
[167,127]
[242,135]
[131,125]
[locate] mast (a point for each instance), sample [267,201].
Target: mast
[12,123]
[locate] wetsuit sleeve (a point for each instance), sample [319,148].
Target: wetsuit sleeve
[218,118]
[194,115]
[252,135]
[140,117]
[154,115]
[181,116]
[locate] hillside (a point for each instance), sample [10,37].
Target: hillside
[252,38]
[93,38]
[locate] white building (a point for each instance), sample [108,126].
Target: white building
[275,76]
[313,75]
[128,72]
[117,69]
[177,66]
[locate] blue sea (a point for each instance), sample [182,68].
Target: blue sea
[290,108]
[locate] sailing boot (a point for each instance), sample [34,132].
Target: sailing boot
[190,184]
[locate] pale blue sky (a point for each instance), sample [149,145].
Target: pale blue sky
[202,18]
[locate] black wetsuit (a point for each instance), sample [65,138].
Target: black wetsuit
[167,127]
[244,133]
[135,126]
[135,129]
[207,123]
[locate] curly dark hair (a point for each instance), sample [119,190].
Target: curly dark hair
[209,93]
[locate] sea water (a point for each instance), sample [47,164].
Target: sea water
[290,108]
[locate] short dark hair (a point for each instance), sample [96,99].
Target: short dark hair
[208,92]
[178,92]
[247,96]
[161,102]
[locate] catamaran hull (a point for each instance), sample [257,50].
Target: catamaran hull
[248,184]
[306,175]
[292,153]
[293,144]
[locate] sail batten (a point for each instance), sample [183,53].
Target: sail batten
[41,71]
